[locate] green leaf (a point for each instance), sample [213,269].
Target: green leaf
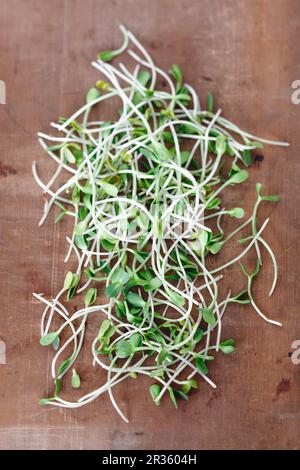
[90,297]
[80,242]
[247,159]
[258,187]
[227,346]
[121,310]
[64,365]
[274,198]
[68,155]
[236,212]
[164,356]
[113,289]
[177,74]
[173,397]
[201,366]
[214,203]
[124,349]
[107,56]
[203,239]
[46,401]
[105,326]
[184,156]
[73,286]
[92,95]
[257,145]
[56,343]
[148,154]
[80,228]
[198,335]
[188,385]
[133,375]
[221,145]
[143,77]
[183,95]
[181,394]
[155,390]
[87,189]
[161,152]
[75,379]
[157,373]
[68,280]
[107,245]
[108,188]
[48,339]
[215,247]
[176,298]
[53,148]
[83,213]
[135,299]
[208,316]
[76,196]
[60,216]
[239,177]
[58,387]
[154,284]
[120,276]
[210,102]
[110,332]
[136,340]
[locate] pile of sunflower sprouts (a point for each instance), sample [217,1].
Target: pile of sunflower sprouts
[144,196]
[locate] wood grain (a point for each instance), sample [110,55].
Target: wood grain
[247,54]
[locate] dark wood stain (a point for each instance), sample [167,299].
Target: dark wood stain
[207,79]
[6,170]
[284,386]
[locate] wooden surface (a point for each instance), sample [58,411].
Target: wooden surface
[247,53]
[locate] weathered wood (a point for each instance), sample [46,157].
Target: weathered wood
[247,53]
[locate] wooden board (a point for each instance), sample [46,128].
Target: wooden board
[247,53]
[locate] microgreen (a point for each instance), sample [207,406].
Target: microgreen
[210,102]
[239,177]
[221,145]
[58,387]
[48,339]
[177,74]
[247,157]
[147,194]
[107,56]
[227,346]
[124,349]
[154,392]
[202,367]
[92,95]
[135,299]
[72,287]
[75,379]
[189,385]
[90,297]
[237,212]
[208,316]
